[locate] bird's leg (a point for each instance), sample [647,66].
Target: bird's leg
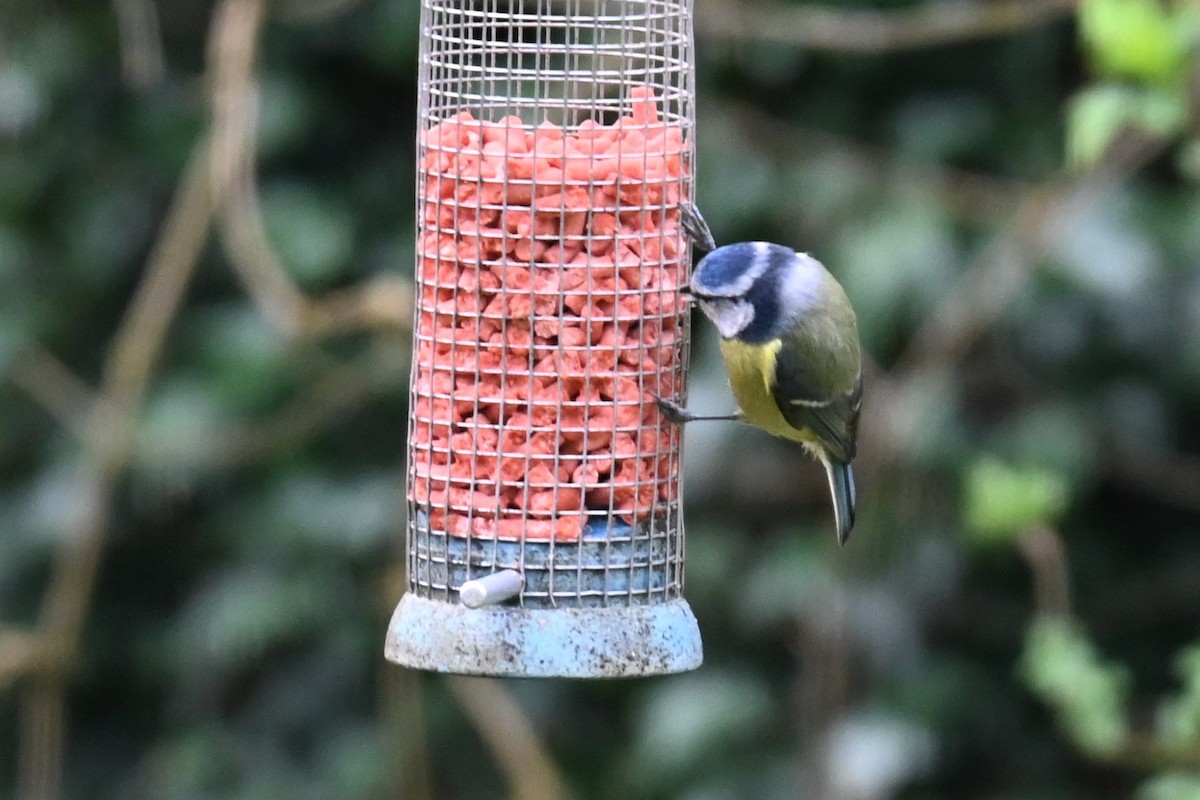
[679,415]
[695,227]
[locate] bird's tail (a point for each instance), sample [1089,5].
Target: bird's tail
[845,497]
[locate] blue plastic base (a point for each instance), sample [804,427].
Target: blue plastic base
[510,641]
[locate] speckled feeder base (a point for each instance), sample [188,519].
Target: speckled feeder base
[613,618]
[544,642]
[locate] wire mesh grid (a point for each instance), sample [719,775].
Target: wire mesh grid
[555,146]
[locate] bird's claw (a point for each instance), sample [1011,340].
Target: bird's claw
[694,225]
[673,411]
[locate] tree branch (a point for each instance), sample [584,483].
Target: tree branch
[1042,549]
[141,45]
[107,447]
[868,32]
[54,387]
[508,733]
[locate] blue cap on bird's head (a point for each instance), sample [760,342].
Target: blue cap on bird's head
[731,271]
[751,290]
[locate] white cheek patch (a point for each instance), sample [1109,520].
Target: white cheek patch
[801,284]
[730,316]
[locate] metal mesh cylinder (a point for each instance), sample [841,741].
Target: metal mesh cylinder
[555,147]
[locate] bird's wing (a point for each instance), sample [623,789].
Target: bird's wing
[807,400]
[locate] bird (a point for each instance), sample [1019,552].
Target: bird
[790,345]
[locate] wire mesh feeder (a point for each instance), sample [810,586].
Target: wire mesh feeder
[544,531]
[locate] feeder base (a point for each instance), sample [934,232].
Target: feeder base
[614,642]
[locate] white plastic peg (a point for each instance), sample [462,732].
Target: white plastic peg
[491,589]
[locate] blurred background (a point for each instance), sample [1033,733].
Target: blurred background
[206,245]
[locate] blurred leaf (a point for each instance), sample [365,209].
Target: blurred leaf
[1179,716]
[246,611]
[932,431]
[1171,786]
[1060,665]
[353,513]
[894,263]
[870,755]
[941,127]
[181,417]
[773,63]
[387,37]
[834,182]
[357,762]
[1055,436]
[1002,502]
[1100,248]
[106,226]
[53,499]
[692,717]
[313,233]
[791,576]
[245,359]
[195,763]
[1098,115]
[735,182]
[1141,39]
[22,101]
[166,126]
[288,112]
[1189,159]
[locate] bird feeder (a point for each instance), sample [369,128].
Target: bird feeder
[544,530]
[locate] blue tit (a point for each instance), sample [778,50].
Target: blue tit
[789,339]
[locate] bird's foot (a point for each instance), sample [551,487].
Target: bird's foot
[673,411]
[680,415]
[694,225]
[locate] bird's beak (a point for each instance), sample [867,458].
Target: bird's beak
[686,294]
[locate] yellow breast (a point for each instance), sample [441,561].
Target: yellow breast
[751,369]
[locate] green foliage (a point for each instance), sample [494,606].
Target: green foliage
[232,646]
[1002,502]
[1179,716]
[1146,40]
[1171,786]
[684,722]
[1142,50]
[1089,696]
[313,233]
[1097,115]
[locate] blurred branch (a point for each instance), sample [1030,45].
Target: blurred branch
[508,733]
[313,11]
[404,723]
[1144,751]
[43,719]
[235,102]
[107,445]
[381,303]
[982,295]
[985,290]
[19,652]
[1043,551]
[970,195]
[339,388]
[141,43]
[109,438]
[54,387]
[107,423]
[235,99]
[820,28]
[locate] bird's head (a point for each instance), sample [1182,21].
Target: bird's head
[753,290]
